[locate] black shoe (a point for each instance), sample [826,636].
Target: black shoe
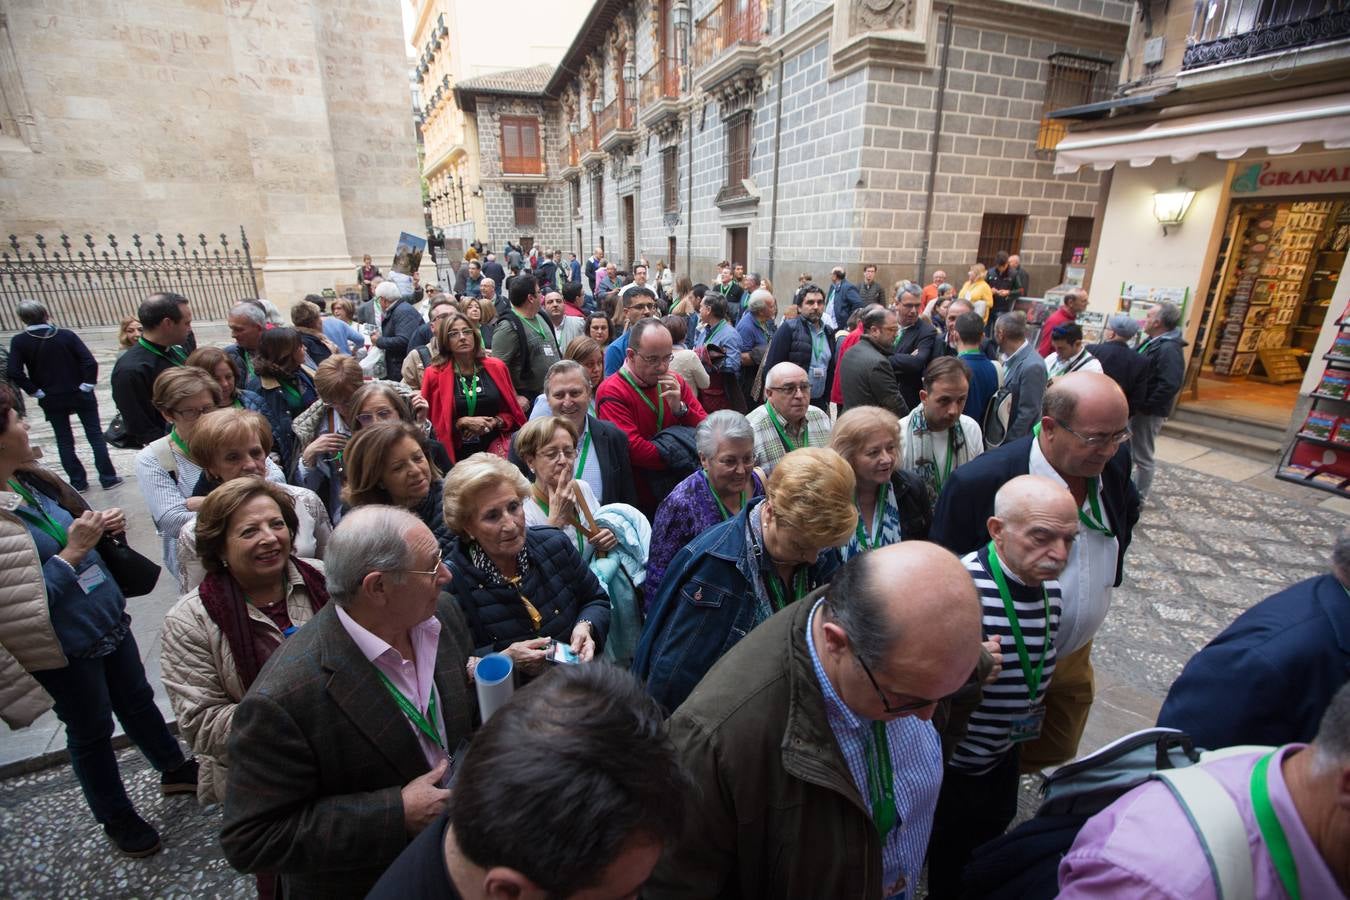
[111,483]
[133,836]
[182,780]
[81,487]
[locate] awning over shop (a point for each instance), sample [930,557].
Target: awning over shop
[1275,129]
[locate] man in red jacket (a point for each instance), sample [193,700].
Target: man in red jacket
[644,397]
[1075,301]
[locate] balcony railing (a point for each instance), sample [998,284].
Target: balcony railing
[618,115]
[573,154]
[1228,30]
[522,165]
[661,81]
[731,22]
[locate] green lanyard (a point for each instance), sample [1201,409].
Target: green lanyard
[817,342]
[294,398]
[178,440]
[583,453]
[1098,521]
[42,520]
[659,407]
[714,331]
[726,513]
[470,391]
[178,358]
[238,404]
[425,724]
[881,782]
[878,517]
[1143,345]
[533,325]
[1272,832]
[248,362]
[798,588]
[581,542]
[1033,676]
[942,476]
[788,444]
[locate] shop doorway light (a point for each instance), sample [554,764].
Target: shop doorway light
[1169,207]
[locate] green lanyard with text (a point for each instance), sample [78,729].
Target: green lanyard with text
[798,587]
[659,407]
[878,518]
[178,358]
[583,453]
[1097,522]
[425,724]
[42,520]
[788,444]
[881,781]
[1033,676]
[470,391]
[726,513]
[1272,832]
[533,325]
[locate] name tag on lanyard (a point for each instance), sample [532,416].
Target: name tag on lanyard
[1027,727]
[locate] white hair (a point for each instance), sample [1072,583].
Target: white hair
[368,539]
[249,309]
[723,425]
[387,290]
[758,298]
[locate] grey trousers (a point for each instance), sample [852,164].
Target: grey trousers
[1143,435]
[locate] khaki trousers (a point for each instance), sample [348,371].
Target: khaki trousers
[1067,703]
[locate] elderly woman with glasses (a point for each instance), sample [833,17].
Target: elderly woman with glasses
[390,463]
[725,482]
[520,587]
[548,447]
[738,573]
[234,443]
[255,594]
[472,400]
[892,502]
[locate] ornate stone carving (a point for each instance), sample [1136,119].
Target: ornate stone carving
[880,15]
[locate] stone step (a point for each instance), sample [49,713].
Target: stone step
[1236,423]
[1218,437]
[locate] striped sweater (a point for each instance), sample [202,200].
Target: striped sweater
[1006,699]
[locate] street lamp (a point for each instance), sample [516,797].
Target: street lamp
[629,73]
[681,15]
[597,105]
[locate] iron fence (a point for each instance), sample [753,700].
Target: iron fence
[88,286]
[1228,30]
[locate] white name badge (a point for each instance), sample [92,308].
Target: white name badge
[91,578]
[1027,727]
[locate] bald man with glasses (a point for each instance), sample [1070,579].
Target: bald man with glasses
[786,421]
[1081,442]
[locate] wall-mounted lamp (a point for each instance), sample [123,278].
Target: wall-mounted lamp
[597,105]
[574,127]
[681,12]
[629,73]
[1169,207]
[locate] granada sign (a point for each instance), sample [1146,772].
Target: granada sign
[1327,174]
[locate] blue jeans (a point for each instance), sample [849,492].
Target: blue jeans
[58,410]
[88,692]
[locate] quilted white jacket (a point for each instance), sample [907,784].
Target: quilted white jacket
[28,642]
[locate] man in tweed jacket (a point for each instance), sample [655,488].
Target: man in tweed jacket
[333,767]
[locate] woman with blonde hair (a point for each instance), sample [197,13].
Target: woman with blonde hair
[234,443]
[521,588]
[892,502]
[732,577]
[473,406]
[977,291]
[128,333]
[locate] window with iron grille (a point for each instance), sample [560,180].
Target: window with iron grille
[670,179]
[520,146]
[738,154]
[999,233]
[525,211]
[575,186]
[1072,81]
[598,196]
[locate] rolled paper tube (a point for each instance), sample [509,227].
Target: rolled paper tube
[495,684]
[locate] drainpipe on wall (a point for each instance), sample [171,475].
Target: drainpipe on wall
[939,106]
[689,188]
[777,143]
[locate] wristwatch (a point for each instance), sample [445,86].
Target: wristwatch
[589,624]
[682,411]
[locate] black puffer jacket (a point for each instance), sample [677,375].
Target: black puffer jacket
[559,584]
[911,498]
[432,513]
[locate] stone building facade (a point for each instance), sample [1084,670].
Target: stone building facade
[800,135]
[288,119]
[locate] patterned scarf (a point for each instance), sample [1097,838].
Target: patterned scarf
[921,454]
[478,556]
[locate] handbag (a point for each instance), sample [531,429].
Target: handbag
[116,435]
[135,574]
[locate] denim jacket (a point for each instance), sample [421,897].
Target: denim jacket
[706,603]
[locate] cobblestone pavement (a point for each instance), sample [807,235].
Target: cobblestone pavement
[1205,550]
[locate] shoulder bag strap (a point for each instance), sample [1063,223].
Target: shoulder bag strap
[1219,827]
[164,456]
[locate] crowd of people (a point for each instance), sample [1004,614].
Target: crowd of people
[792,601]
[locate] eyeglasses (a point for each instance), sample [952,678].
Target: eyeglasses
[1099,440]
[192,415]
[458,333]
[913,706]
[802,388]
[655,360]
[435,569]
[554,454]
[383,415]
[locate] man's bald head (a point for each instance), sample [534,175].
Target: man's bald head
[1085,418]
[783,373]
[1034,525]
[920,644]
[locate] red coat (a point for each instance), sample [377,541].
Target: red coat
[438,387]
[1052,321]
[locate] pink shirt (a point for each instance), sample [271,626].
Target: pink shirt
[413,677]
[1143,845]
